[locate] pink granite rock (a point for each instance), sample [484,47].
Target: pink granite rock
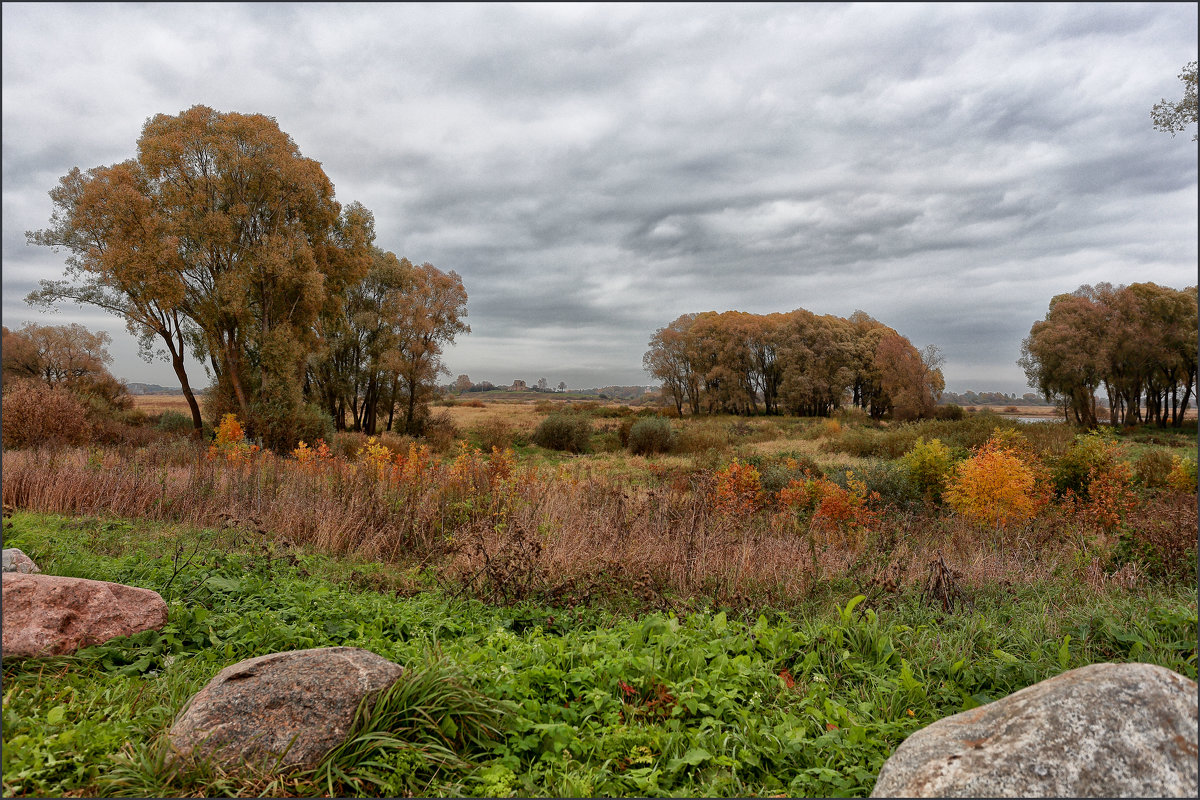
[298,704]
[1104,730]
[50,615]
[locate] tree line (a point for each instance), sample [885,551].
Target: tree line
[1138,342]
[66,356]
[220,239]
[795,362]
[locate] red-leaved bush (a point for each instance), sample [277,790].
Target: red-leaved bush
[35,413]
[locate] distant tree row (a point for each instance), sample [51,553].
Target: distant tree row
[65,356]
[1137,341]
[971,398]
[795,362]
[220,239]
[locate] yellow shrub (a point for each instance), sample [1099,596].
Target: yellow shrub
[1182,477]
[930,464]
[996,487]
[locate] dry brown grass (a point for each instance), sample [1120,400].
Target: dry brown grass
[520,417]
[565,534]
[158,403]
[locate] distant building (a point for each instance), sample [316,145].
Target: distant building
[519,386]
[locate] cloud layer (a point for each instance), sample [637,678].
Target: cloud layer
[593,172]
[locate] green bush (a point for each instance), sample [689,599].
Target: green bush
[312,423]
[651,435]
[776,473]
[949,412]
[1152,469]
[872,442]
[568,432]
[929,464]
[891,480]
[1072,470]
[495,433]
[174,422]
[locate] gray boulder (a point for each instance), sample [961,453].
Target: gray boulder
[17,561]
[1102,730]
[297,704]
[50,615]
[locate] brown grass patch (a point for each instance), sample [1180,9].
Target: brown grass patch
[158,403]
[507,531]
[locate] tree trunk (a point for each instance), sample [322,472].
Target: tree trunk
[193,406]
[235,379]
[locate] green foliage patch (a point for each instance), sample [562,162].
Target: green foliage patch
[530,700]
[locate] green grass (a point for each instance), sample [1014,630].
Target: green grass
[539,701]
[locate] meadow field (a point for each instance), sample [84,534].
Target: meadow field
[607,600]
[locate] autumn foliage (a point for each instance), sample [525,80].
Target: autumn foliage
[838,514]
[998,486]
[36,414]
[738,490]
[795,362]
[230,442]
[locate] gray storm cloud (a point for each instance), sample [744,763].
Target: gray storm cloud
[593,172]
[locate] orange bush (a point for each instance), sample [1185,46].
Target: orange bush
[229,431]
[231,442]
[834,510]
[1110,494]
[312,457]
[996,487]
[738,489]
[411,467]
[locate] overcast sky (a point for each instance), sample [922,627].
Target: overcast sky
[593,172]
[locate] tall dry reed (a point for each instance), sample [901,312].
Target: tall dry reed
[495,529]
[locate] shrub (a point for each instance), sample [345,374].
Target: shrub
[829,427]
[345,444]
[837,512]
[700,438]
[950,412]
[35,413]
[174,422]
[312,423]
[929,464]
[776,473]
[1161,537]
[1110,493]
[1091,452]
[440,432]
[891,482]
[996,486]
[567,432]
[1152,469]
[109,429]
[858,442]
[650,435]
[230,442]
[737,490]
[494,433]
[1182,477]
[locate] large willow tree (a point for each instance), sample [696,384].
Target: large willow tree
[219,235]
